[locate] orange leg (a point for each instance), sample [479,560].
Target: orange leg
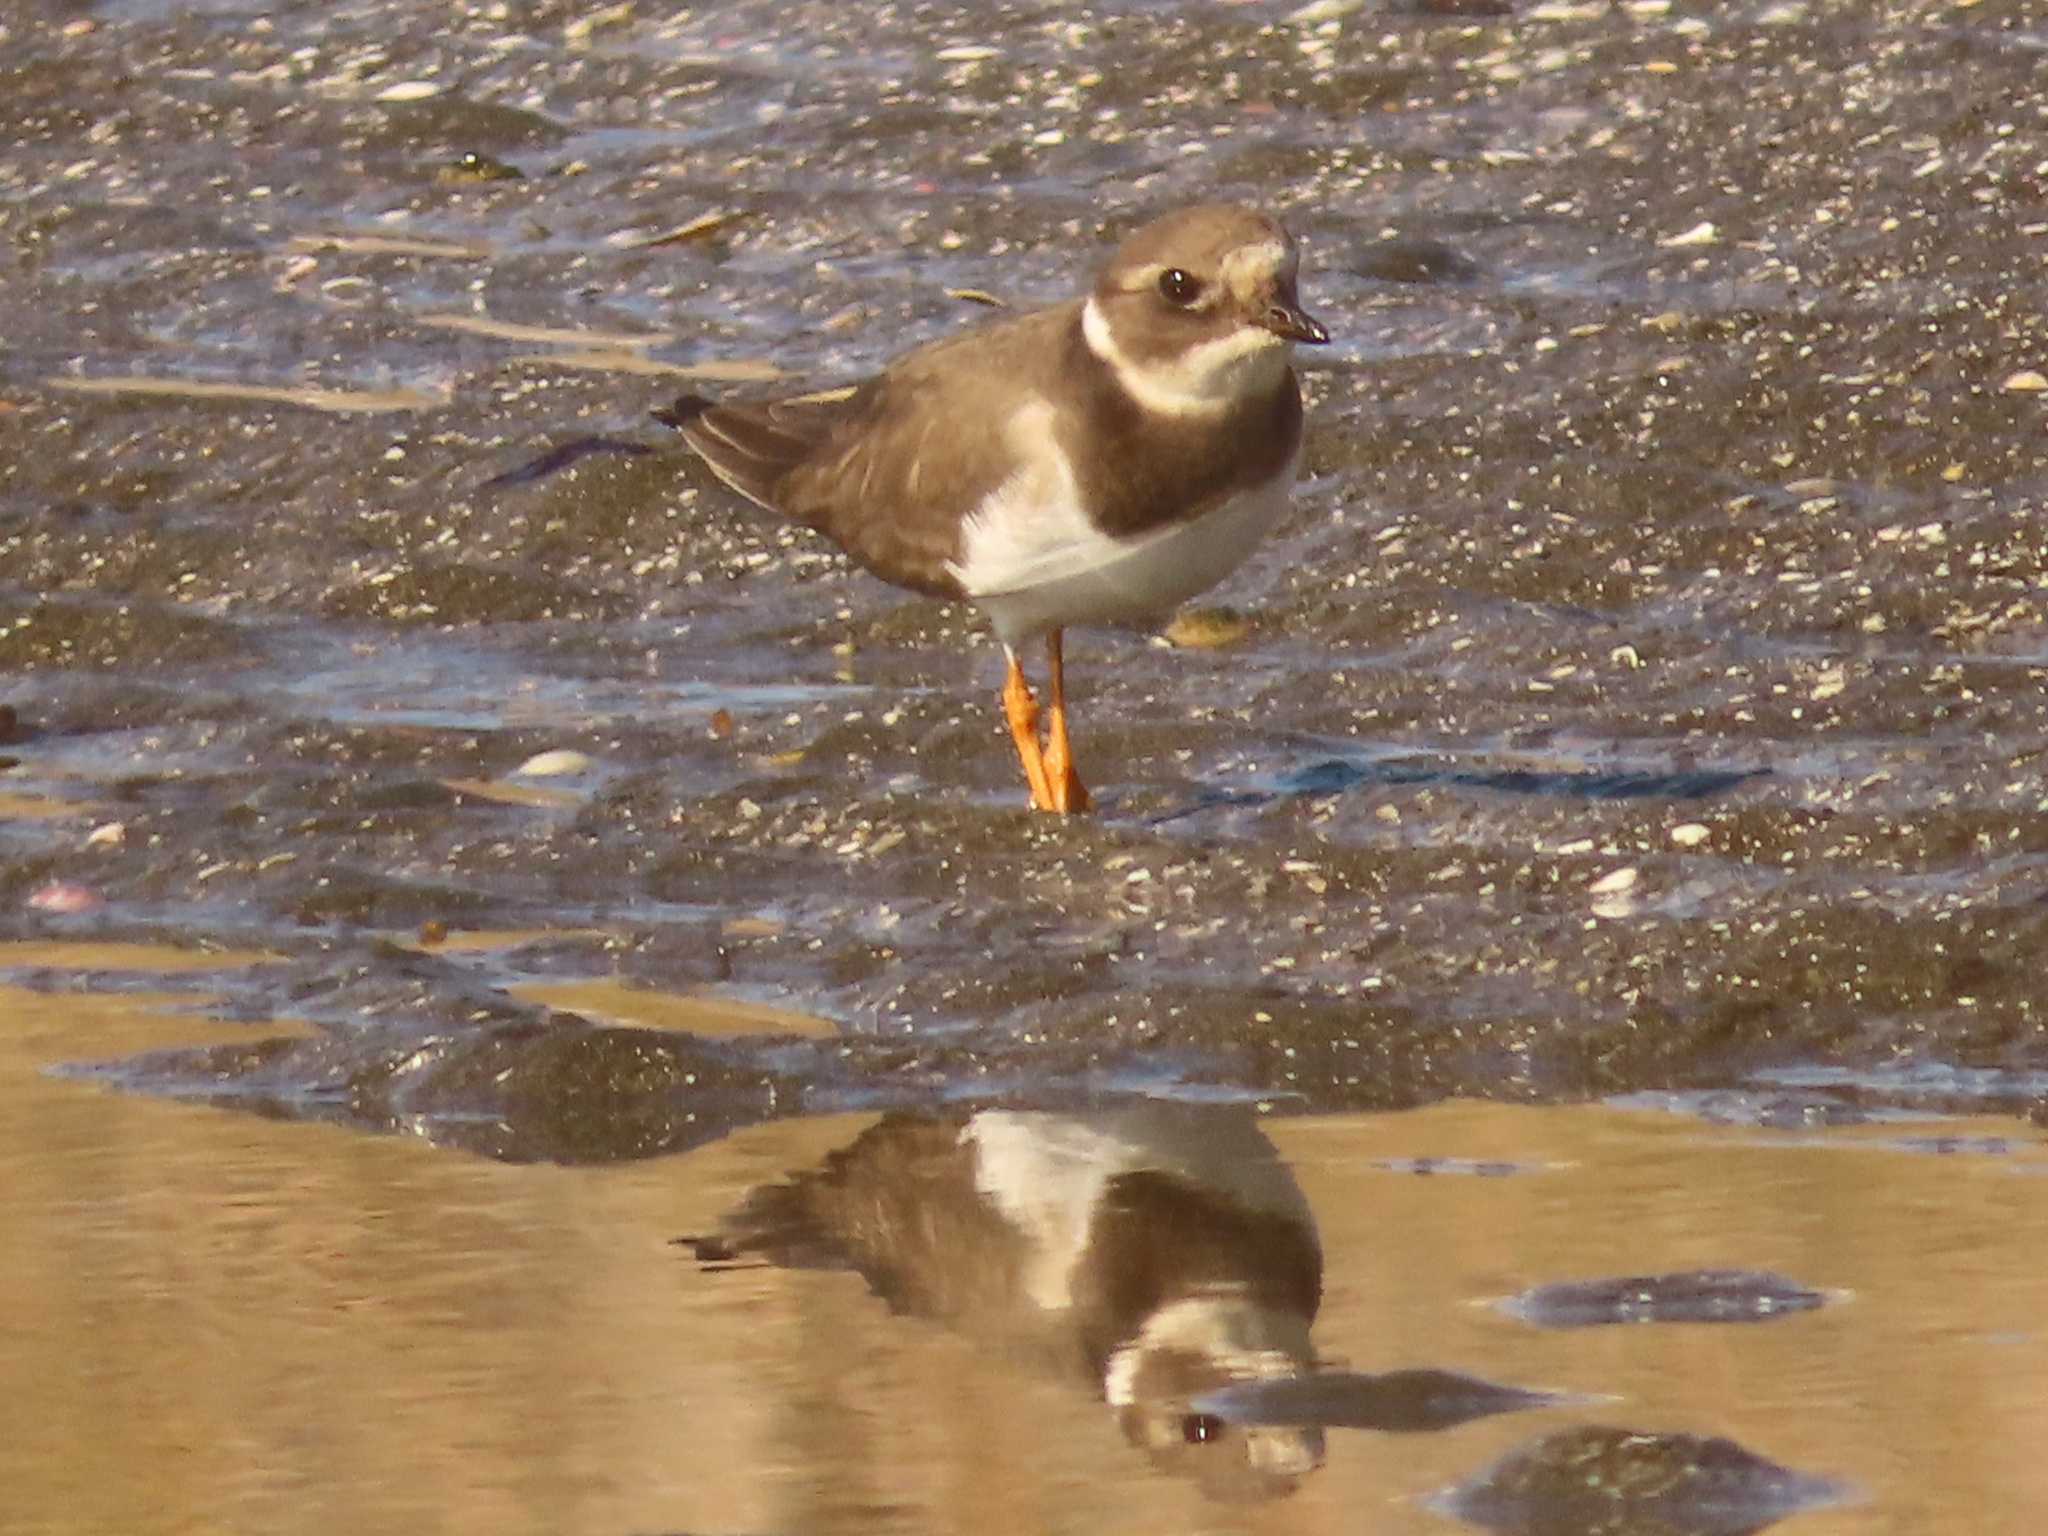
[1022,711]
[1065,787]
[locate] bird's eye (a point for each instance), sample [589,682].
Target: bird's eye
[1179,287]
[1200,1428]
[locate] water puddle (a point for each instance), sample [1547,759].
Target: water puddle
[1142,1315]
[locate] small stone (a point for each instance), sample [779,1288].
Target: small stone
[409,90]
[475,165]
[64,898]
[433,931]
[1207,629]
[2026,381]
[108,834]
[1613,883]
[579,31]
[561,763]
[1689,834]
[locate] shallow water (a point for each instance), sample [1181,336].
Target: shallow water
[1646,691]
[244,1324]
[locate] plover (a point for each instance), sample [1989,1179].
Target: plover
[1099,461]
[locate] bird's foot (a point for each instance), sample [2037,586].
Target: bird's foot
[1021,710]
[1064,785]
[1065,789]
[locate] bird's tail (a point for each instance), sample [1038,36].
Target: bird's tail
[751,445]
[681,411]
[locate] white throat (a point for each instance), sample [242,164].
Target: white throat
[1240,1339]
[1202,381]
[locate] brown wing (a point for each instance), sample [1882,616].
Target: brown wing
[752,445]
[888,470]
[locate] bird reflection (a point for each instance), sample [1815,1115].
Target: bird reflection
[1161,1252]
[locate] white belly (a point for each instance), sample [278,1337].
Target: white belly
[1034,568]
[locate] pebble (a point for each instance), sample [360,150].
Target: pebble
[558,764]
[1689,834]
[1613,883]
[579,31]
[1206,629]
[2026,381]
[63,897]
[108,834]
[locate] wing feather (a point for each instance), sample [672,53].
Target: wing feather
[867,466]
[753,446]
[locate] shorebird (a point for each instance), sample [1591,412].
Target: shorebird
[1099,461]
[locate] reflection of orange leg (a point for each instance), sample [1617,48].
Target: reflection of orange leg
[1022,712]
[1060,779]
